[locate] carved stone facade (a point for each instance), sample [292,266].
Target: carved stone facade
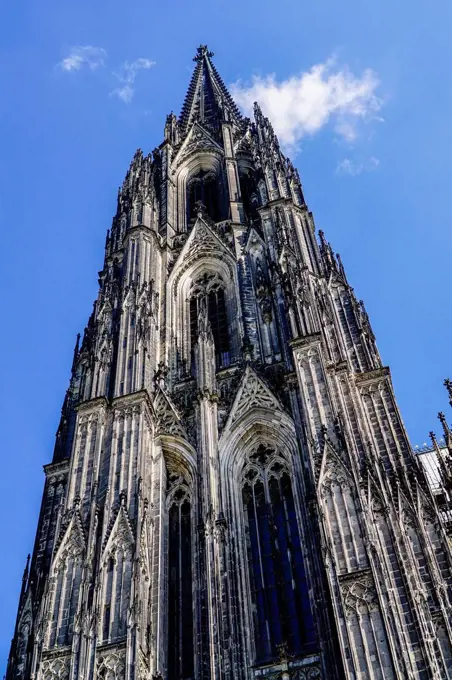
[233,494]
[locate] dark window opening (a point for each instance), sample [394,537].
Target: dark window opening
[180,594]
[204,188]
[193,321]
[106,627]
[282,614]
[250,196]
[217,315]
[216,309]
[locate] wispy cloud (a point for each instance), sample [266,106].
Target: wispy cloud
[349,167]
[126,77]
[303,104]
[84,55]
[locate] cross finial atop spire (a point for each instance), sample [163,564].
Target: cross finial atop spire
[201,52]
[207,100]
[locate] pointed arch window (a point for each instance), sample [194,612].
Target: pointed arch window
[180,582]
[250,195]
[281,611]
[204,188]
[210,291]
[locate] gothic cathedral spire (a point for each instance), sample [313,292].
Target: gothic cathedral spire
[232,494]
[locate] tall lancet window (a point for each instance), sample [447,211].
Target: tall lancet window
[204,188]
[250,195]
[209,291]
[282,617]
[180,583]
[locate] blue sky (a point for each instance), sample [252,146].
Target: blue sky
[361,94]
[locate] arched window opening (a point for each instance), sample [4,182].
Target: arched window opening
[108,595]
[250,196]
[281,611]
[204,188]
[209,291]
[180,585]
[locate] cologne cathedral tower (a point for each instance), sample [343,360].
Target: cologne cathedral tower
[232,494]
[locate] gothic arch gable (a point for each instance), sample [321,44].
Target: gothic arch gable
[202,242]
[168,419]
[332,466]
[197,139]
[120,533]
[252,393]
[254,241]
[72,542]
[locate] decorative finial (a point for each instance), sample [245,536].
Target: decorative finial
[448,385]
[26,570]
[76,352]
[257,110]
[201,52]
[442,419]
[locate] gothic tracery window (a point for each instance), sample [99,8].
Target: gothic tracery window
[281,611]
[204,188]
[180,582]
[209,291]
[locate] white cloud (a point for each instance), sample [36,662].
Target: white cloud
[126,77]
[84,55]
[303,104]
[349,167]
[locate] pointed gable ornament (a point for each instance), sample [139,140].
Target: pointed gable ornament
[168,419]
[197,139]
[332,467]
[72,542]
[253,393]
[120,534]
[203,241]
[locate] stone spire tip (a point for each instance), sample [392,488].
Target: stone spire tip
[202,52]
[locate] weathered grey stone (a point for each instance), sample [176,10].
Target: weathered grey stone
[233,493]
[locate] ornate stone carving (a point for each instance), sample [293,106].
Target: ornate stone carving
[120,535]
[252,393]
[73,542]
[56,668]
[111,665]
[358,593]
[168,420]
